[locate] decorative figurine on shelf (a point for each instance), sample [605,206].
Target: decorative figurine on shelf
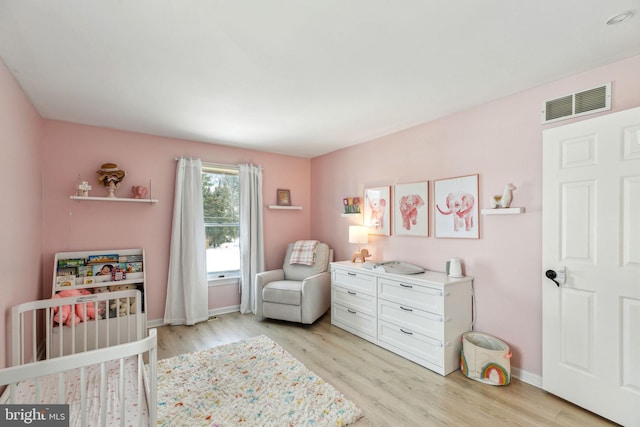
[139,192]
[110,176]
[503,201]
[83,189]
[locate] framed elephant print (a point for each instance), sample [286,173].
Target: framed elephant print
[411,209]
[456,207]
[377,210]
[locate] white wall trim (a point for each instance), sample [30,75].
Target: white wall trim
[214,312]
[224,310]
[527,377]
[225,281]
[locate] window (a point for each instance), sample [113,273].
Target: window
[221,200]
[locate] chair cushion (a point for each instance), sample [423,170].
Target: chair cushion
[283,292]
[301,271]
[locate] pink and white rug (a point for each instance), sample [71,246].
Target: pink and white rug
[253,382]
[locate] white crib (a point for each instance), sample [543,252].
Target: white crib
[104,383]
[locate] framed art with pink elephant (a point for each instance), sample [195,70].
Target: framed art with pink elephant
[377,210]
[456,207]
[411,209]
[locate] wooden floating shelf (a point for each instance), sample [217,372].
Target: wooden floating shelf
[502,211]
[347,215]
[114,199]
[299,208]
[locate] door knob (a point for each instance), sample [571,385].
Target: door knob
[557,276]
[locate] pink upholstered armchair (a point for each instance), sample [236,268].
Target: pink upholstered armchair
[296,292]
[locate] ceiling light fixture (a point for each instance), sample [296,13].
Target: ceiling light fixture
[620,18]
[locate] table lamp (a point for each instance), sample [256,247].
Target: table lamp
[358,234]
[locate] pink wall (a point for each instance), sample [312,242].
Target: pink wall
[501,141]
[21,213]
[71,149]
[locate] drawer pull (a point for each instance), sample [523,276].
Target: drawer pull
[406,286]
[351,293]
[406,332]
[351,274]
[351,311]
[406,309]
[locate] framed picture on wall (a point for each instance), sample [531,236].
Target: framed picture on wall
[456,207]
[377,210]
[284,197]
[410,209]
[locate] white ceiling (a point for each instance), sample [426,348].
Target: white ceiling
[299,77]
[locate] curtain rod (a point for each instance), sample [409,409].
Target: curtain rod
[211,164]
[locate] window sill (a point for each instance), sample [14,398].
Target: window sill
[224,281]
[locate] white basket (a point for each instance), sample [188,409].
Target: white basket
[485,358]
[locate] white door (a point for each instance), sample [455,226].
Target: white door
[591,228]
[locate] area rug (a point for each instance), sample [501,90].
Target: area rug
[253,382]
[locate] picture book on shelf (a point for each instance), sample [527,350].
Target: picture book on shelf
[134,267]
[65,280]
[130,258]
[103,259]
[72,262]
[67,271]
[85,271]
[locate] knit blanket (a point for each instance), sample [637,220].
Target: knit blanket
[304,252]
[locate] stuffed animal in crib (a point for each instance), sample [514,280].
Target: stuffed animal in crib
[63,316]
[123,306]
[102,305]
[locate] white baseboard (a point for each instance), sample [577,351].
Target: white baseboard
[224,310]
[212,313]
[527,377]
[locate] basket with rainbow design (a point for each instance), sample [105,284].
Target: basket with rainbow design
[485,358]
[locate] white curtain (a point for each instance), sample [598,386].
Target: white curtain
[251,234]
[187,287]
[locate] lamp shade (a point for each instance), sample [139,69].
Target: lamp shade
[358,234]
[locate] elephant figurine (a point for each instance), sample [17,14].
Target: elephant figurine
[460,206]
[362,255]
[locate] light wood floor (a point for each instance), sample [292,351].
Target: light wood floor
[391,391]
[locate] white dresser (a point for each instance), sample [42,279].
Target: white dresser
[420,317]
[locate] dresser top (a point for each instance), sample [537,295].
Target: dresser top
[428,275]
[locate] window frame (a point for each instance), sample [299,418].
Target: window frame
[230,276]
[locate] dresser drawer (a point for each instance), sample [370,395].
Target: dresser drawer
[354,321]
[354,280]
[359,301]
[417,296]
[417,320]
[411,342]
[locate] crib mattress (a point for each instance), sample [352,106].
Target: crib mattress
[26,393]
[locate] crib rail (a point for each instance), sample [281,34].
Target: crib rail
[38,336]
[58,366]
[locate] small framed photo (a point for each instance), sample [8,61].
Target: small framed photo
[411,209]
[377,210]
[456,207]
[284,197]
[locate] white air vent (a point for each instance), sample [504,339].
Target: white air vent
[577,104]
